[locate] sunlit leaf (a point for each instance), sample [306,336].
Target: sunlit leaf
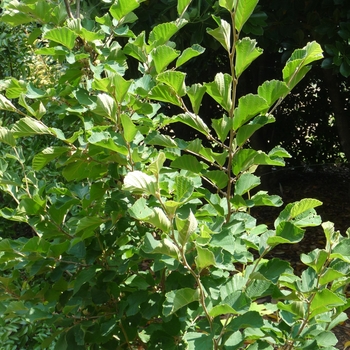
[298,64]
[121,8]
[176,299]
[219,178]
[272,90]
[184,188]
[248,107]
[163,55]
[63,36]
[129,128]
[28,127]
[164,93]
[222,127]
[204,258]
[137,181]
[182,6]
[194,121]
[186,227]
[162,32]
[187,162]
[246,182]
[220,90]
[196,93]
[246,53]
[6,136]
[222,34]
[47,155]
[244,10]
[193,51]
[6,105]
[174,79]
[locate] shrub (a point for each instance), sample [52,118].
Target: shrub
[142,240]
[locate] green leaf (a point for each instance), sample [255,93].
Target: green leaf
[246,53]
[6,105]
[6,136]
[164,93]
[193,121]
[84,276]
[272,90]
[32,206]
[324,301]
[186,227]
[245,183]
[286,232]
[228,4]
[164,247]
[187,162]
[174,79]
[154,216]
[162,56]
[121,87]
[47,155]
[182,6]
[222,309]
[129,128]
[262,198]
[273,269]
[88,223]
[218,177]
[303,206]
[204,258]
[196,340]
[220,90]
[195,94]
[63,36]
[162,32]
[106,106]
[177,299]
[297,65]
[193,51]
[105,140]
[244,10]
[154,138]
[326,339]
[222,127]
[137,181]
[156,166]
[246,131]
[315,259]
[28,126]
[121,8]
[222,34]
[248,107]
[342,250]
[183,188]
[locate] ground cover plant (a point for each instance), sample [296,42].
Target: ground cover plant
[141,240]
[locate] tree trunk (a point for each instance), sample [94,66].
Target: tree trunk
[341,115]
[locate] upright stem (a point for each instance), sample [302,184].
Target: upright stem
[231,113]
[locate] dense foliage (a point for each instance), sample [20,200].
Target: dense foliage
[143,240]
